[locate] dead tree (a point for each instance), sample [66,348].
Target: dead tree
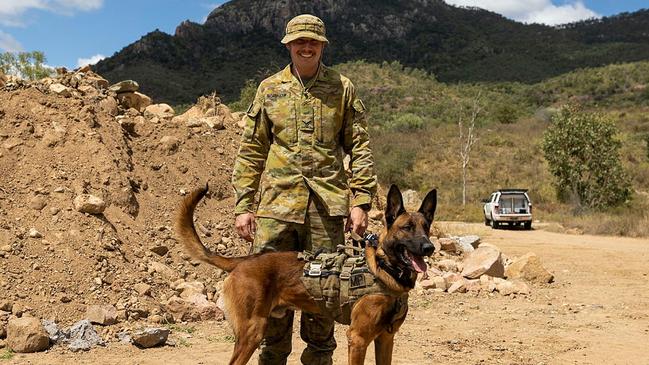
[467,139]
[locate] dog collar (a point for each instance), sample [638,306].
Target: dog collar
[400,275]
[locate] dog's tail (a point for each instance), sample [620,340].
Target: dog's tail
[187,234]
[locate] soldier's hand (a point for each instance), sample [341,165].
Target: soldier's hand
[245,226]
[357,221]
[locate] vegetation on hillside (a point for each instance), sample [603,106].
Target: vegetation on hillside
[455,44]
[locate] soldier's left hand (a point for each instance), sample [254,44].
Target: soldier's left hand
[357,221]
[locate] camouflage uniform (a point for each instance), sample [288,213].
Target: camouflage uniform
[293,143]
[301,137]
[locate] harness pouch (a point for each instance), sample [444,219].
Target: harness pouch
[331,292]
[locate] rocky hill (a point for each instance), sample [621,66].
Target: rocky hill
[240,41]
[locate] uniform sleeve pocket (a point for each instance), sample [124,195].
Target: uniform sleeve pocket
[252,121]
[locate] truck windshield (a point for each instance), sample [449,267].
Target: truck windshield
[513,204]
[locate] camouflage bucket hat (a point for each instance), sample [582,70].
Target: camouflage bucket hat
[305,26]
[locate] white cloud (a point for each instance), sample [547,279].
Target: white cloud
[12,11]
[90,61]
[534,11]
[9,44]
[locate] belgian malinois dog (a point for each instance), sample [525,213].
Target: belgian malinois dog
[260,284]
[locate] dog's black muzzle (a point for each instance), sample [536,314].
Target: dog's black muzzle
[420,247]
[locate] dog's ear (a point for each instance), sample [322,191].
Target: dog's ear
[394,206]
[429,205]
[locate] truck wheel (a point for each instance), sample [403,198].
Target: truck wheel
[528,225]
[494,224]
[486,221]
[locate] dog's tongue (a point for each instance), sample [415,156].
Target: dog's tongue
[417,262]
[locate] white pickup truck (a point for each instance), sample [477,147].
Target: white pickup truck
[511,206]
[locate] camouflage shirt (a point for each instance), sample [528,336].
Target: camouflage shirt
[297,137]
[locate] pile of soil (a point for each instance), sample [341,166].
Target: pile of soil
[69,135]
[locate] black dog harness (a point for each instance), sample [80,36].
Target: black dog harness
[336,281]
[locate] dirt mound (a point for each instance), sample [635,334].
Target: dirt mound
[72,135]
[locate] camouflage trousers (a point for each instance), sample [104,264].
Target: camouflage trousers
[319,231]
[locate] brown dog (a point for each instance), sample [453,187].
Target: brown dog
[260,284]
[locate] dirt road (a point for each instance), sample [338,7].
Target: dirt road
[596,312]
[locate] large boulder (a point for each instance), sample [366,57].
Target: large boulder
[483,261]
[27,335]
[529,267]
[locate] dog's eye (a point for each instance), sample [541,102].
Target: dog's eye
[408,227]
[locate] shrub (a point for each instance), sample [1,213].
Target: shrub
[28,65]
[583,155]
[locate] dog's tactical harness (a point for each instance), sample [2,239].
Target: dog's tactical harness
[336,281]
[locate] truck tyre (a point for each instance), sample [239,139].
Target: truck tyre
[528,225]
[486,221]
[494,224]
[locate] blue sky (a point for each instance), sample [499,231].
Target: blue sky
[73,32]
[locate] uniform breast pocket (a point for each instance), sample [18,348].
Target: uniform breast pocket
[328,122]
[281,113]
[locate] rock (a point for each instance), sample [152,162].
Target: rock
[520,287]
[27,334]
[238,119]
[84,337]
[411,200]
[195,308]
[160,111]
[61,90]
[142,289]
[34,233]
[56,335]
[508,287]
[97,82]
[214,122]
[169,144]
[124,86]
[529,267]
[38,202]
[458,286]
[159,250]
[134,100]
[6,305]
[104,315]
[487,283]
[436,282]
[473,241]
[86,203]
[447,265]
[484,260]
[452,278]
[448,244]
[109,105]
[187,289]
[164,271]
[3,79]
[427,284]
[150,337]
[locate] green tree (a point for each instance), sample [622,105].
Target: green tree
[28,65]
[583,154]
